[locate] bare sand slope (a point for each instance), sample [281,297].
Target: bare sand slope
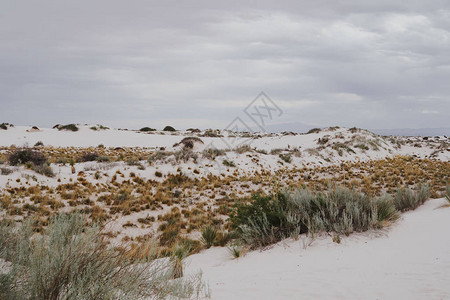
[410,260]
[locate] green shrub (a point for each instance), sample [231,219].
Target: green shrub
[68,127]
[147,129]
[72,260]
[24,156]
[212,153]
[88,156]
[45,170]
[406,199]
[314,130]
[228,163]
[169,128]
[158,156]
[184,155]
[209,234]
[235,251]
[243,149]
[286,157]
[270,218]
[5,171]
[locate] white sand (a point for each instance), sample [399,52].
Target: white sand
[411,260]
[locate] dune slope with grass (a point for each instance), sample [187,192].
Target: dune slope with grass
[410,260]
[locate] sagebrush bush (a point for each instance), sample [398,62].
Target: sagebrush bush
[23,156]
[5,171]
[406,199]
[285,157]
[45,170]
[184,155]
[72,260]
[212,153]
[270,218]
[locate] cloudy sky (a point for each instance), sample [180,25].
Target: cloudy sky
[383,64]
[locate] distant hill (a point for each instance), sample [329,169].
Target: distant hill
[413,132]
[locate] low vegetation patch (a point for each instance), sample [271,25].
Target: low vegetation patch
[269,218]
[68,127]
[147,129]
[71,260]
[23,156]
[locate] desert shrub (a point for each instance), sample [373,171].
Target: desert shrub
[209,234]
[72,260]
[276,151]
[236,250]
[158,156]
[386,210]
[169,128]
[212,133]
[243,149]
[88,156]
[228,163]
[314,130]
[406,199]
[147,129]
[185,155]
[68,127]
[212,153]
[38,144]
[286,157]
[5,171]
[103,158]
[24,156]
[270,218]
[45,170]
[4,126]
[188,142]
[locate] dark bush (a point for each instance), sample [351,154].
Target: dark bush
[314,130]
[146,129]
[4,126]
[89,156]
[169,128]
[69,127]
[27,155]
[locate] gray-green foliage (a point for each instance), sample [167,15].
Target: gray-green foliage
[406,199]
[71,260]
[271,218]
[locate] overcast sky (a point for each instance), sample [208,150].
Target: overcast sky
[384,64]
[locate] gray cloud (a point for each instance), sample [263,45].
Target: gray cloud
[199,63]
